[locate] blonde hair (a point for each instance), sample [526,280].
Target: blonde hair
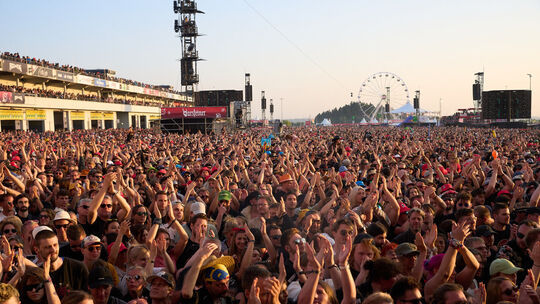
[378,298]
[7,292]
[136,251]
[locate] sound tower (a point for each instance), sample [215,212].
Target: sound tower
[476,91]
[248,89]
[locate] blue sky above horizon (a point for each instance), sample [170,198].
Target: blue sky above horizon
[434,46]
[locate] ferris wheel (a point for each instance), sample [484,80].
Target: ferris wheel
[378,91]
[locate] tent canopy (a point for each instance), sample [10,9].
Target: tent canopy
[406,108]
[326,122]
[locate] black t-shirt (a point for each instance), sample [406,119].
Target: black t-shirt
[72,275]
[97,228]
[66,252]
[502,235]
[189,251]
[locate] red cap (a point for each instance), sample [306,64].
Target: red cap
[15,158]
[403,208]
[117,163]
[14,164]
[162,171]
[504,192]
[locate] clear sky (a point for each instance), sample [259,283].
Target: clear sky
[311,53]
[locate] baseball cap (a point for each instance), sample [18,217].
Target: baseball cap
[89,240]
[285,178]
[447,189]
[342,169]
[406,249]
[361,184]
[165,276]
[62,215]
[484,230]
[403,208]
[99,276]
[224,195]
[504,266]
[197,207]
[502,192]
[39,229]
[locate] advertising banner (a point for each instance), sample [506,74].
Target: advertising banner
[15,67]
[155,117]
[108,116]
[113,85]
[35,114]
[193,112]
[100,82]
[11,115]
[84,79]
[96,116]
[77,115]
[8,97]
[39,71]
[67,76]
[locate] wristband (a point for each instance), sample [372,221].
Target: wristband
[332,266]
[456,244]
[47,281]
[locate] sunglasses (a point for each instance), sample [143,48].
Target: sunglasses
[204,196]
[300,241]
[10,230]
[43,216]
[142,213]
[106,206]
[85,207]
[94,248]
[276,237]
[135,277]
[35,287]
[346,232]
[61,226]
[520,235]
[511,291]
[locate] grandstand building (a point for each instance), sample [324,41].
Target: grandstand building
[42,96]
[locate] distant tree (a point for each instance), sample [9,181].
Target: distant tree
[346,114]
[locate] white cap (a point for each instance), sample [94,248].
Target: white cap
[89,240]
[62,215]
[38,229]
[197,207]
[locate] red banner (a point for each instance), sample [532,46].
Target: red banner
[193,112]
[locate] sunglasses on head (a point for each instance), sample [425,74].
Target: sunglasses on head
[10,230]
[106,206]
[35,287]
[511,291]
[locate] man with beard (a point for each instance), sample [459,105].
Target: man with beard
[22,203]
[66,274]
[6,200]
[416,217]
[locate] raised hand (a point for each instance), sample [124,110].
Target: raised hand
[419,242]
[254,293]
[345,252]
[460,231]
[431,237]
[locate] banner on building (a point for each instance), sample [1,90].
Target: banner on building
[108,116]
[76,115]
[100,82]
[14,67]
[8,97]
[84,79]
[61,75]
[155,117]
[96,116]
[193,112]
[35,114]
[11,115]
[40,71]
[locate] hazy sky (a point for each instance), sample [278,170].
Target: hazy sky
[311,53]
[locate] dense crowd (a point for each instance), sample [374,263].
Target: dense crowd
[87,97]
[76,70]
[315,215]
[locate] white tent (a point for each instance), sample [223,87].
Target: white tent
[407,109]
[326,122]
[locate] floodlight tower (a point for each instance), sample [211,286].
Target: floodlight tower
[186,25]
